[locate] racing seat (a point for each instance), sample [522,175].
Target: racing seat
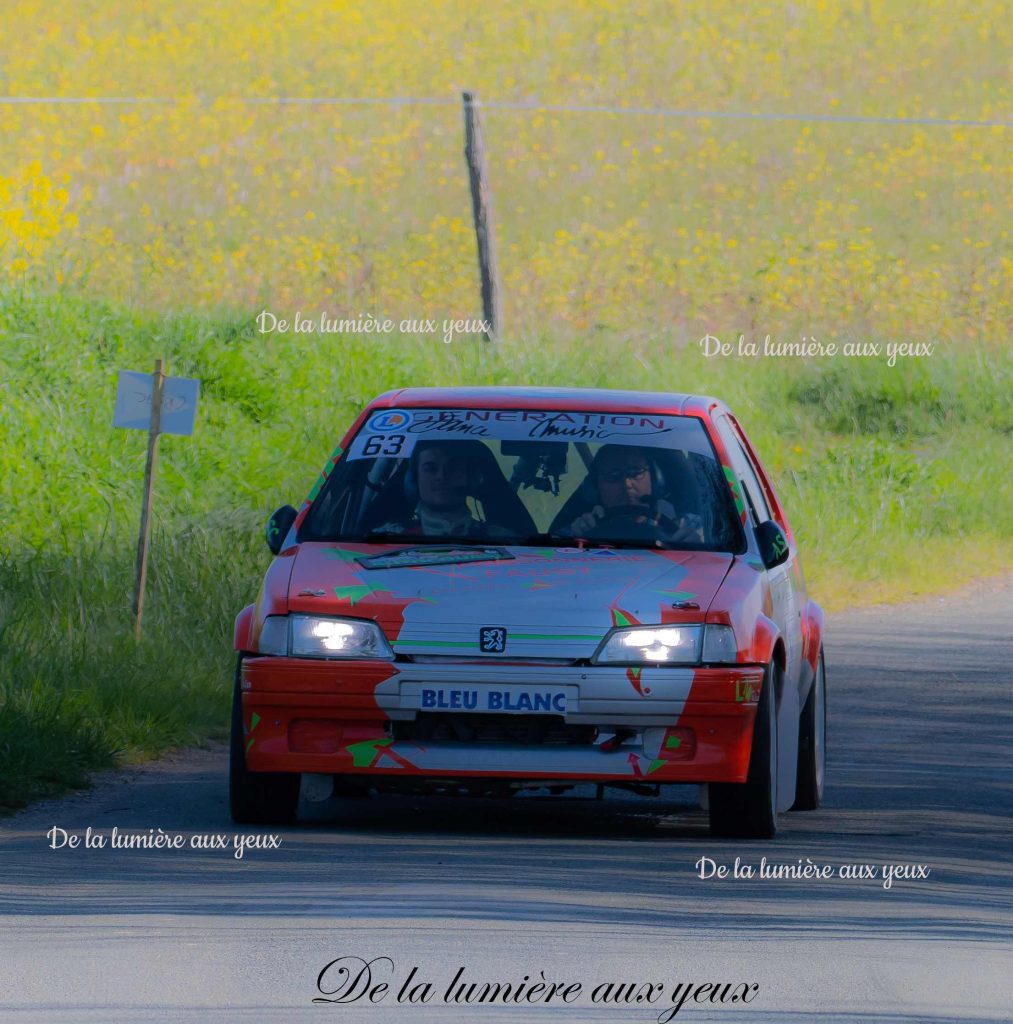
[499,502]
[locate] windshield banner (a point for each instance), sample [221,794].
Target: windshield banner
[395,432]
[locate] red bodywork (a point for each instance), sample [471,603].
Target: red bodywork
[326,716]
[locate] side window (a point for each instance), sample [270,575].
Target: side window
[776,512]
[744,471]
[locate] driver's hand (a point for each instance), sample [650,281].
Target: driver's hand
[688,531]
[582,525]
[390,528]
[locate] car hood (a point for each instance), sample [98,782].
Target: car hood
[552,602]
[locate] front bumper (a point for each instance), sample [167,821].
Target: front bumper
[670,725]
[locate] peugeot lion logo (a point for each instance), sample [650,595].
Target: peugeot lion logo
[492,639]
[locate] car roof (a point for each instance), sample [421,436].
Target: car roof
[582,399]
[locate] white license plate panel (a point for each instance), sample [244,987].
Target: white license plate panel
[509,699]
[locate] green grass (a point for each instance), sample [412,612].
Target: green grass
[77,692]
[897,480]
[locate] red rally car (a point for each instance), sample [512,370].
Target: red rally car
[494,589]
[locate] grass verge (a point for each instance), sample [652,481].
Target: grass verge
[898,481]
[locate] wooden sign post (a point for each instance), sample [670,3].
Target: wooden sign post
[160,405]
[144,538]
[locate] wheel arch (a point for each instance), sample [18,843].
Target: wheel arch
[768,644]
[813,623]
[242,635]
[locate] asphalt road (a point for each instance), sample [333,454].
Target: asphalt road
[920,773]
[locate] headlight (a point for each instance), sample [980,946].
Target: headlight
[668,645]
[653,645]
[310,636]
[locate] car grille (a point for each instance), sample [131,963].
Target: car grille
[460,659]
[519,730]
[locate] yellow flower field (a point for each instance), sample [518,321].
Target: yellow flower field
[626,220]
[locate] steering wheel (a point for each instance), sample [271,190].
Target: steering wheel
[635,522]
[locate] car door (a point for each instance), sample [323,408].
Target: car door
[786,607]
[791,582]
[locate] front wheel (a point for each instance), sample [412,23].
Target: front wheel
[748,810]
[256,798]
[812,743]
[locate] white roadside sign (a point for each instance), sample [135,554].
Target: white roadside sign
[133,402]
[160,405]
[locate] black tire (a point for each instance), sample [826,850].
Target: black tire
[256,798]
[812,743]
[748,810]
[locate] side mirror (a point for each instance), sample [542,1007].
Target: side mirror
[773,544]
[278,526]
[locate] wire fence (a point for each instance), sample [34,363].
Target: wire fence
[601,266]
[533,106]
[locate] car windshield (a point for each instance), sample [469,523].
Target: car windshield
[535,477]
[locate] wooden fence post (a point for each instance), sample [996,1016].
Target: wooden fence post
[481,204]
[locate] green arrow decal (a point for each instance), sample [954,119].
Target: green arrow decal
[357,592]
[367,751]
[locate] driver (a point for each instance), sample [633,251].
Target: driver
[443,478]
[622,476]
